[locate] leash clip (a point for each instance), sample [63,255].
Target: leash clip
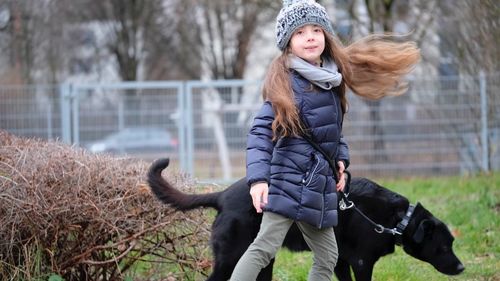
[379,228]
[343,206]
[395,231]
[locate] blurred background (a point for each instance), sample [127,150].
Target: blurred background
[181,79]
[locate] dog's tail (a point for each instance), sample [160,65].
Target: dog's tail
[177,199]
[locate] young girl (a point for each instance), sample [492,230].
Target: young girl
[304,93]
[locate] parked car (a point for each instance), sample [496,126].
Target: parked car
[136,140]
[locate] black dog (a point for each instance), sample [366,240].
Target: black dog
[423,236]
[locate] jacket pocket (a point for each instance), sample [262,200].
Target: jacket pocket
[312,171]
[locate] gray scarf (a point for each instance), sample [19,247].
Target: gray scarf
[325,77]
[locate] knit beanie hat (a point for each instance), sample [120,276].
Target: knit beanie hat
[297,13]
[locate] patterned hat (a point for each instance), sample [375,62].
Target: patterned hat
[297,13]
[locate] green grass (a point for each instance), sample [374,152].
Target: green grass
[468,205]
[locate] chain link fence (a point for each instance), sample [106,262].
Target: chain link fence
[443,126]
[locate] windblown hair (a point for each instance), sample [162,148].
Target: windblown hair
[372,68]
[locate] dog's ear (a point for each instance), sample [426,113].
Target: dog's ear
[424,229]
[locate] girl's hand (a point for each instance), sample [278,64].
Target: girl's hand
[259,192]
[342,176]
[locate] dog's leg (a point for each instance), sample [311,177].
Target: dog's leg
[221,271]
[266,274]
[226,257]
[343,270]
[230,239]
[363,269]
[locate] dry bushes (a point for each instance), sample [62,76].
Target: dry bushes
[87,217]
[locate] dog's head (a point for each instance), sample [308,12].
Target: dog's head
[429,239]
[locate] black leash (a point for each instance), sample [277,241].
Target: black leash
[346,204]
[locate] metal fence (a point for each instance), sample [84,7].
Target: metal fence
[440,127]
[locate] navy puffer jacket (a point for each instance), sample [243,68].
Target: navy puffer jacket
[301,183]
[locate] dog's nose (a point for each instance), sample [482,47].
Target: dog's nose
[460,268]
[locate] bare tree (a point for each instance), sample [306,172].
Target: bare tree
[471,34]
[378,16]
[470,37]
[229,27]
[217,33]
[31,36]
[172,38]
[128,25]
[175,50]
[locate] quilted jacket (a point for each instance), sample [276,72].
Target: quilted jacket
[301,183]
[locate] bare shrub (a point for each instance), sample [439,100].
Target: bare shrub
[66,211]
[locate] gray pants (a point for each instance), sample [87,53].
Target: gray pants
[272,232]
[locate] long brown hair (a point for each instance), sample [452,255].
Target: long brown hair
[372,68]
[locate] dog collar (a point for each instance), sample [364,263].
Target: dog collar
[401,226]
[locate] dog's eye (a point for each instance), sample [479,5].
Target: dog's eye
[442,250]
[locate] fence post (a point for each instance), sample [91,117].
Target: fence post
[189,128]
[75,113]
[181,123]
[65,101]
[50,133]
[484,121]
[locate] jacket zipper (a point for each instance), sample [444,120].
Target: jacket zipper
[322,210]
[323,197]
[309,182]
[313,171]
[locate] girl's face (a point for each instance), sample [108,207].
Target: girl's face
[308,43]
